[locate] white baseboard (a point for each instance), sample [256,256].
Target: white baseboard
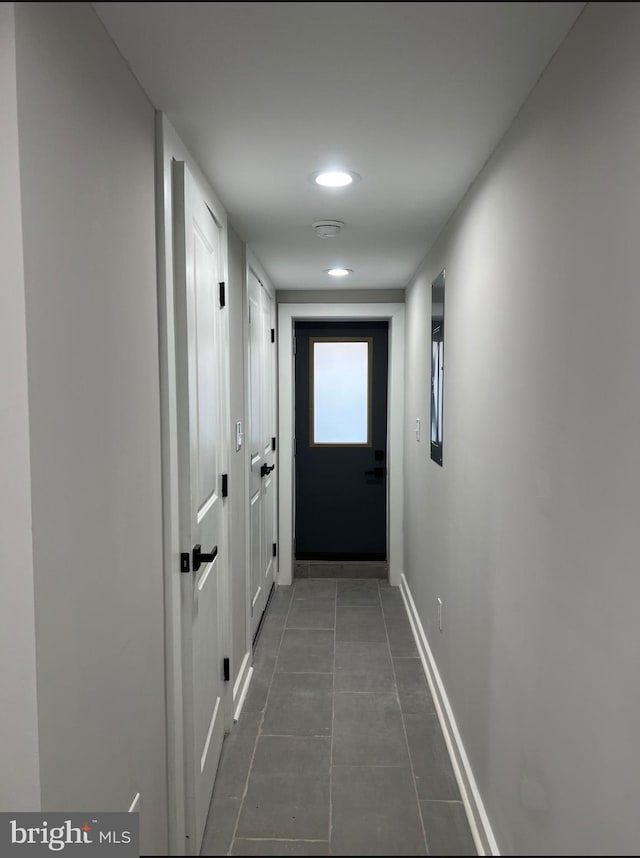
[478,819]
[241,685]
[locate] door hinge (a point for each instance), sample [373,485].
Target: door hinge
[222,293]
[273,335]
[273,444]
[225,485]
[184,562]
[294,446]
[295,345]
[274,548]
[226,669]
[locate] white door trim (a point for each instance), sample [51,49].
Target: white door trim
[288,314]
[169,146]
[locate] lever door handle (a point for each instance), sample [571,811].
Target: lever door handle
[376,472]
[265,470]
[199,558]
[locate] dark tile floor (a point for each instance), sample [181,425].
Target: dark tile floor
[338,750]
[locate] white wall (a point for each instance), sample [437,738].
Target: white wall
[341,296]
[20,779]
[529,533]
[87,168]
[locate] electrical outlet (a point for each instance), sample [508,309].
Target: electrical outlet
[439,613]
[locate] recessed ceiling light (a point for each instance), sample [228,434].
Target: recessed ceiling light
[334,178]
[338,272]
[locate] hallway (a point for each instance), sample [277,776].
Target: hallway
[338,749]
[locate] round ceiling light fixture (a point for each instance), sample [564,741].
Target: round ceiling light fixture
[334,178]
[338,272]
[327,228]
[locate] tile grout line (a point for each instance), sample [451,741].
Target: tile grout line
[283,839]
[306,672]
[441,801]
[406,738]
[246,786]
[259,731]
[294,736]
[381,766]
[333,718]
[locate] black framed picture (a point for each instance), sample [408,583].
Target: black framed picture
[437,366]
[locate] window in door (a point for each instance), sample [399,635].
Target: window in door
[340,380]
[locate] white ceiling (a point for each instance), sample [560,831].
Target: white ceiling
[413,96]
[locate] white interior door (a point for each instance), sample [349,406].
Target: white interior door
[269,441]
[262,433]
[201,397]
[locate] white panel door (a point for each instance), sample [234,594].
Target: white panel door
[261,434]
[268,435]
[201,396]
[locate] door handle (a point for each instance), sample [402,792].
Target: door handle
[265,470]
[199,558]
[376,472]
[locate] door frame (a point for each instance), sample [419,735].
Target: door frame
[169,146]
[288,315]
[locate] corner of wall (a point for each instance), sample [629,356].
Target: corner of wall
[19,737]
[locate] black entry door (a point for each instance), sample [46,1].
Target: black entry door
[341,440]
